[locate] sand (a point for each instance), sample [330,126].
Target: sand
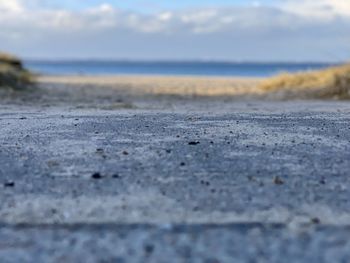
[182,174]
[160,85]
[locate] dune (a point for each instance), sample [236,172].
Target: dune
[331,83]
[12,73]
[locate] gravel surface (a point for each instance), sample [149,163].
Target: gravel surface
[180,243]
[199,182]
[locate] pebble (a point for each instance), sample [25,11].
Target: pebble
[149,248]
[315,220]
[9,184]
[278,181]
[96,176]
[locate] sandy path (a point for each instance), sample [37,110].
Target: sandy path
[160,85]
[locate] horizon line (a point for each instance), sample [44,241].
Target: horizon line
[214,61]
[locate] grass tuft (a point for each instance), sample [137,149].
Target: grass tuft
[12,73]
[331,83]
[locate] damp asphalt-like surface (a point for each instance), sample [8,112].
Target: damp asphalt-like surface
[211,182]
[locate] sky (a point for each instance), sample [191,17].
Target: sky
[221,30]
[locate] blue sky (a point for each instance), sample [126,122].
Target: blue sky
[235,30]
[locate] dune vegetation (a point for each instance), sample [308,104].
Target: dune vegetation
[331,83]
[12,73]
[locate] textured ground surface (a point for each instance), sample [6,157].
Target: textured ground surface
[258,181]
[199,243]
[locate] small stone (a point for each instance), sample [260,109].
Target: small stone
[278,181]
[99,150]
[53,163]
[9,184]
[251,178]
[315,220]
[194,143]
[182,164]
[205,183]
[149,248]
[116,176]
[125,153]
[96,176]
[54,211]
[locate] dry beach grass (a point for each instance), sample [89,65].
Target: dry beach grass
[332,83]
[12,73]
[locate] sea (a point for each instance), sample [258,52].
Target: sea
[213,69]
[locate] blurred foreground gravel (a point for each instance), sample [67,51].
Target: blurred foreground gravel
[199,182]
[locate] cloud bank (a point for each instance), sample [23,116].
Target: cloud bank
[292,30]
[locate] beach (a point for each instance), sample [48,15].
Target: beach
[191,131]
[180,158]
[329,84]
[138,85]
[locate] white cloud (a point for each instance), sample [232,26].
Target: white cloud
[290,14]
[326,9]
[251,32]
[13,6]
[165,16]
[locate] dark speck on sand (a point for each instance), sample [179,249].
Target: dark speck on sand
[278,181]
[9,184]
[96,176]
